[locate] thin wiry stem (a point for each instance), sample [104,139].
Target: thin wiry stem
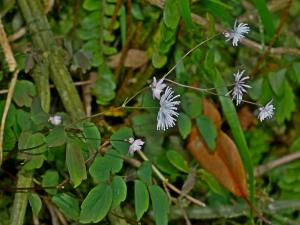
[189,52]
[209,92]
[169,185]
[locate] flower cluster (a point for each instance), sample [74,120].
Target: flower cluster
[167,114]
[240,87]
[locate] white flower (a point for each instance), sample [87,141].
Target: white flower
[167,110]
[266,111]
[157,87]
[237,34]
[239,87]
[55,120]
[136,145]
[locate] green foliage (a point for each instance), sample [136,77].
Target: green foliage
[67,204]
[99,41]
[82,165]
[160,203]
[177,161]
[184,125]
[50,181]
[207,130]
[145,172]
[75,163]
[102,166]
[265,15]
[35,203]
[258,144]
[141,198]
[92,135]
[24,92]
[119,189]
[36,143]
[97,204]
[192,104]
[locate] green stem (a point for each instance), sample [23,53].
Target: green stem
[37,40]
[44,41]
[20,201]
[40,76]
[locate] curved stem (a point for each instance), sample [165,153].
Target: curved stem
[207,90]
[166,182]
[189,52]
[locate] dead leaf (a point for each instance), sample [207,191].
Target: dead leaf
[212,112]
[224,163]
[135,58]
[189,182]
[246,117]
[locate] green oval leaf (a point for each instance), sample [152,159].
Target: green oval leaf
[68,205]
[207,130]
[91,5]
[160,203]
[75,163]
[145,172]
[184,125]
[92,135]
[35,203]
[102,166]
[177,161]
[141,198]
[171,14]
[35,145]
[119,191]
[56,137]
[97,204]
[24,92]
[50,180]
[118,139]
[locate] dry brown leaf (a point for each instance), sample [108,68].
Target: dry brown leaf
[246,117]
[224,163]
[135,58]
[212,112]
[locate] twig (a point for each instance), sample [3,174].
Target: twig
[10,59]
[115,15]
[169,185]
[12,68]
[247,42]
[17,35]
[274,38]
[50,207]
[262,169]
[128,40]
